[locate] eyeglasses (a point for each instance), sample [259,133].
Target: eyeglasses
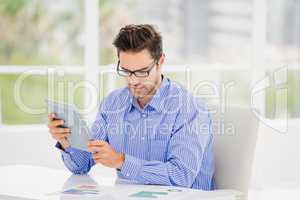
[137,73]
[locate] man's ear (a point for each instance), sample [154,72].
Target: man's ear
[161,60]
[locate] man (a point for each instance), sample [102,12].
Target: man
[153,131]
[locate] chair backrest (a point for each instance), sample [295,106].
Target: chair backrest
[235,135]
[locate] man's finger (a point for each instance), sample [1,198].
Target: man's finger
[59,130]
[93,149]
[61,136]
[51,116]
[96,149]
[97,143]
[100,160]
[55,123]
[97,156]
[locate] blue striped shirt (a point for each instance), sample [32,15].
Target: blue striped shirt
[169,142]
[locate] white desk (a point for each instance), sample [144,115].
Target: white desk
[21,182]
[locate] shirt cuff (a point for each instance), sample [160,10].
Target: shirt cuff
[68,150]
[131,167]
[58,145]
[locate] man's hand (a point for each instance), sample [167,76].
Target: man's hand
[59,134]
[103,153]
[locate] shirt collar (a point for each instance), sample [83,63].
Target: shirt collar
[157,99]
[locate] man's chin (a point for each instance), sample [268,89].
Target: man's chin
[138,95]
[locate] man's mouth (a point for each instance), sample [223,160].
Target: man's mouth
[137,88]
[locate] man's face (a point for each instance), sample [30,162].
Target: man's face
[133,61]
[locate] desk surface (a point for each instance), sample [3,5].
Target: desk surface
[21,182]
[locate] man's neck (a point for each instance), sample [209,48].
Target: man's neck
[144,100]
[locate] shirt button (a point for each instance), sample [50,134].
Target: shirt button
[143,138]
[144,115]
[127,175]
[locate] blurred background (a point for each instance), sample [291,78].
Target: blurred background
[236,45]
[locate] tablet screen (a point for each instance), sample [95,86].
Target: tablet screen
[80,133]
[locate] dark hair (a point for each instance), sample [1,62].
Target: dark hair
[136,38]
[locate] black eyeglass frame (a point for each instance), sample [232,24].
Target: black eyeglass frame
[129,73]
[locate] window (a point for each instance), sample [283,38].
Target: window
[37,35]
[205,41]
[41,32]
[283,51]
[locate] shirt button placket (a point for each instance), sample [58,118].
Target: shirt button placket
[144,138]
[144,115]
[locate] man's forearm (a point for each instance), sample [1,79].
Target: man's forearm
[76,160]
[173,172]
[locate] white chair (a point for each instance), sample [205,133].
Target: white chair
[235,135]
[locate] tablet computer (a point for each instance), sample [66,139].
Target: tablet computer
[79,131]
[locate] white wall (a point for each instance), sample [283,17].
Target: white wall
[33,145]
[281,159]
[28,145]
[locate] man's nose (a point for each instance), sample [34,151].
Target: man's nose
[133,80]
